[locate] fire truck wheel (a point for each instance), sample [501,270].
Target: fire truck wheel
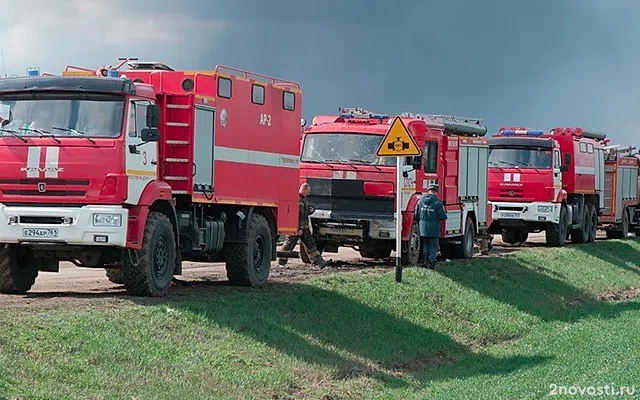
[17,270]
[593,224]
[410,256]
[375,250]
[465,249]
[115,275]
[152,273]
[249,264]
[556,234]
[581,234]
[513,235]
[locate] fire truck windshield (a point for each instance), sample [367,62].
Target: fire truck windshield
[62,114]
[519,157]
[343,147]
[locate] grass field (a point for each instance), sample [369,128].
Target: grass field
[504,327]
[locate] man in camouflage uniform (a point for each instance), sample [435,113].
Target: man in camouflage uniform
[304,232]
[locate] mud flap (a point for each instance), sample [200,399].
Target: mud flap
[483,241]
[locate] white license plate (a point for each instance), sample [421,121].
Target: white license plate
[510,215]
[40,232]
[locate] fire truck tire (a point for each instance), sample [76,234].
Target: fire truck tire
[17,270]
[581,234]
[556,234]
[249,264]
[513,235]
[410,256]
[115,275]
[152,273]
[593,223]
[375,250]
[464,250]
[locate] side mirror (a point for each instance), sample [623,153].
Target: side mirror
[416,162]
[150,134]
[303,122]
[564,168]
[153,116]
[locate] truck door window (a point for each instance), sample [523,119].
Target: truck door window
[137,118]
[556,159]
[430,157]
[131,125]
[141,117]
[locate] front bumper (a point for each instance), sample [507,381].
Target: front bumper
[361,229]
[527,212]
[65,225]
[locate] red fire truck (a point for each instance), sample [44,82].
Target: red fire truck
[136,170]
[621,196]
[353,190]
[552,181]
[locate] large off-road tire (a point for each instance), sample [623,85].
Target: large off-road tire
[593,223]
[376,250]
[18,271]
[249,264]
[156,261]
[514,235]
[115,275]
[556,234]
[410,256]
[625,224]
[581,234]
[621,231]
[464,250]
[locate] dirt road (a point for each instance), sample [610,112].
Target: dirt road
[85,285]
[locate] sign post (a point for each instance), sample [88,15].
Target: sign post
[398,143]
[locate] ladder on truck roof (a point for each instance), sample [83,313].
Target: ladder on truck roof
[454,124]
[619,150]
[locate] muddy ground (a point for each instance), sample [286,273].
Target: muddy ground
[91,286]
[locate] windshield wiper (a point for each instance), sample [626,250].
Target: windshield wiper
[42,133]
[75,132]
[362,162]
[13,133]
[529,165]
[509,163]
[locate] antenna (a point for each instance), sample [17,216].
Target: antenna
[4,67]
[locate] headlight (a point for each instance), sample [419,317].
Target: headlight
[107,220]
[545,209]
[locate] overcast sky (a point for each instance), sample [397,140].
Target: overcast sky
[540,64]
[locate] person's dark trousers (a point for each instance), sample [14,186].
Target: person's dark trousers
[430,247]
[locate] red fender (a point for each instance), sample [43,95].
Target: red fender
[562,195]
[155,190]
[407,216]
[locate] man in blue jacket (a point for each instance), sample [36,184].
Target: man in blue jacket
[429,212]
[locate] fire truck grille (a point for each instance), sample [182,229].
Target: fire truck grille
[43,187]
[346,200]
[511,193]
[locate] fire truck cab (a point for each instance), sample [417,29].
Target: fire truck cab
[136,170]
[353,190]
[546,181]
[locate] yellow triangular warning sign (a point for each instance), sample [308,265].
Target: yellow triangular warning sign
[398,142]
